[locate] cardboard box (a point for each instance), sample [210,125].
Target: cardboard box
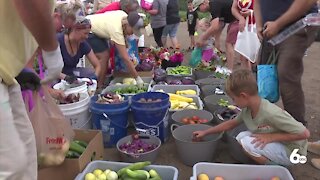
[72,167]
[140,73]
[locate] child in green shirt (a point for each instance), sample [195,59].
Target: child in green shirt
[273,133]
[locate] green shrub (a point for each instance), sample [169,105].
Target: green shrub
[183,15]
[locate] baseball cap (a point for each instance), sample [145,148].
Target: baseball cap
[196,4]
[136,22]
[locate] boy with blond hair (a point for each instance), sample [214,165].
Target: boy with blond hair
[273,133]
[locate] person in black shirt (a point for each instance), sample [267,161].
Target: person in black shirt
[192,18]
[221,12]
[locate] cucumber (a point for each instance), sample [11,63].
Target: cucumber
[72,154]
[136,175]
[81,143]
[76,147]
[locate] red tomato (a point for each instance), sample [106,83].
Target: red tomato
[185,120]
[205,120]
[195,118]
[192,122]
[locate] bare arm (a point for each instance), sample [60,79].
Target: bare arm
[95,5]
[235,10]
[124,55]
[153,11]
[95,62]
[214,27]
[228,125]
[258,18]
[36,16]
[296,10]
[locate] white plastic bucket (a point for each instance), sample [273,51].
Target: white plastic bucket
[80,89]
[78,113]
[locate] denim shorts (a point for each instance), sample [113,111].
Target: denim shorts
[97,44]
[171,30]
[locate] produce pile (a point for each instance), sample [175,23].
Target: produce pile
[132,172]
[218,59]
[182,92]
[76,148]
[137,146]
[180,70]
[161,78]
[143,100]
[194,120]
[109,98]
[180,102]
[132,89]
[128,81]
[162,54]
[71,98]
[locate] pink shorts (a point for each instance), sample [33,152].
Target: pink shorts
[207,55]
[232,32]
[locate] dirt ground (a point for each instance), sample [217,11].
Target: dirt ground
[311,83]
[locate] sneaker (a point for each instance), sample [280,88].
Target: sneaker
[314,147]
[316,162]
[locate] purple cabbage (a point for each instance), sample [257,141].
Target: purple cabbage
[137,146]
[175,82]
[159,75]
[187,81]
[146,66]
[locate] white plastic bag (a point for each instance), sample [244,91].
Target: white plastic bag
[149,30]
[248,43]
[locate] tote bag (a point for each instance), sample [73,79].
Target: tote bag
[267,78]
[248,43]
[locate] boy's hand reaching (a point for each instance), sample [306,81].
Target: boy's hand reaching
[198,135]
[261,140]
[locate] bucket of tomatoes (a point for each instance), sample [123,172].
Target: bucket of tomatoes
[192,116]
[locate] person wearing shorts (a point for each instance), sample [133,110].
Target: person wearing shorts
[273,134]
[221,12]
[192,17]
[158,19]
[173,21]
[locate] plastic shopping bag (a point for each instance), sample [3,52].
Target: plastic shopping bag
[248,43]
[267,78]
[146,4]
[196,56]
[52,131]
[149,30]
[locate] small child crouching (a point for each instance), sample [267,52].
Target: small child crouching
[273,133]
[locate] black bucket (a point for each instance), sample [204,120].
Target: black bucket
[235,148]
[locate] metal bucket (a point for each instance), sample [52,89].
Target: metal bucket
[199,74]
[235,148]
[202,114]
[147,156]
[208,90]
[210,81]
[211,102]
[191,152]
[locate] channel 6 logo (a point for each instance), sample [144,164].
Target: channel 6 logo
[296,158]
